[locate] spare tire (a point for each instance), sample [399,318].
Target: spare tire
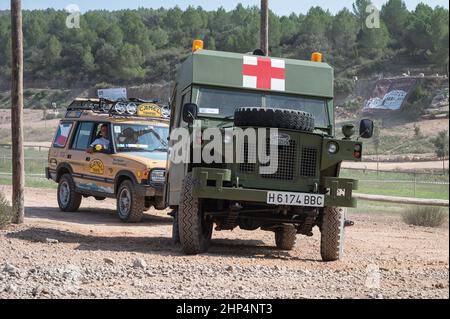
[274,117]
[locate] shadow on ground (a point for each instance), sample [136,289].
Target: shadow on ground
[152,245]
[93,216]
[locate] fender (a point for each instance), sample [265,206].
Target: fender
[63,166]
[123,173]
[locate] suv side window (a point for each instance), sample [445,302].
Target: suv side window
[83,137]
[63,134]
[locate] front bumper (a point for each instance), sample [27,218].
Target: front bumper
[151,189]
[339,190]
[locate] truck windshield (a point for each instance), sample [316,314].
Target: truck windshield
[140,138]
[220,103]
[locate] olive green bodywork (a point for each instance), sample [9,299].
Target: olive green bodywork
[228,183]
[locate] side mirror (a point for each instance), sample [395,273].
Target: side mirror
[98,148]
[190,111]
[366,128]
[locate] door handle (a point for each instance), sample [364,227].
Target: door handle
[69,156]
[88,159]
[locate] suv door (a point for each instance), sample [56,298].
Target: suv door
[100,164]
[77,156]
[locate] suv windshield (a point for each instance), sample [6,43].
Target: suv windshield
[145,138]
[220,103]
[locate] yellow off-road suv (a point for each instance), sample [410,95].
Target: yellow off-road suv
[108,149]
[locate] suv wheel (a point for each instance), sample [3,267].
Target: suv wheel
[332,233]
[130,205]
[68,199]
[195,231]
[286,237]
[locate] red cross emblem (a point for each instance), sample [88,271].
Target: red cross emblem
[264,73]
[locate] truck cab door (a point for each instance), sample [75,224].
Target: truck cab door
[176,171]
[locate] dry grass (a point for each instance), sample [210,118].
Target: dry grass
[5,212]
[425,216]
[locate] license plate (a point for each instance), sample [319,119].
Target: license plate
[295,199]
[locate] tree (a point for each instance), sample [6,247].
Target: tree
[159,37]
[360,11]
[419,34]
[440,36]
[130,61]
[395,14]
[373,43]
[344,32]
[113,35]
[52,51]
[440,143]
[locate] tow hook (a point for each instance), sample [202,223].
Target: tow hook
[348,223]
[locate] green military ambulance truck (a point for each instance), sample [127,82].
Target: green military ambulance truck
[292,102]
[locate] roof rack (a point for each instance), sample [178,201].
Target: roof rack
[121,108]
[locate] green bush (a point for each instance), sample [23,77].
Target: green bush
[425,216]
[5,212]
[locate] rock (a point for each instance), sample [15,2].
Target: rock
[109,261]
[11,288]
[72,273]
[51,241]
[229,269]
[11,269]
[39,290]
[139,263]
[439,285]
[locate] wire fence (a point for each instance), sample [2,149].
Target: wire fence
[419,184]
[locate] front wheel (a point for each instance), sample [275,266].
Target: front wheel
[130,205]
[332,233]
[195,230]
[68,199]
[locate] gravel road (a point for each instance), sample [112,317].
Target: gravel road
[90,254]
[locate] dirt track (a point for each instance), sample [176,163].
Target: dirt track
[62,255]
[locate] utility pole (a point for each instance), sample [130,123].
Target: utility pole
[16,113]
[265,26]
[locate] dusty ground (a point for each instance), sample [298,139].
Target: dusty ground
[90,255]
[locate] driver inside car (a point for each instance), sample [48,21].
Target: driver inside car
[102,139]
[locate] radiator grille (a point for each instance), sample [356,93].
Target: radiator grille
[308,162]
[286,161]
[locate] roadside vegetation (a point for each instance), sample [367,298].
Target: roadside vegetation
[147,45]
[5,212]
[425,216]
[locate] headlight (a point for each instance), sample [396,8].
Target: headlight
[131,108]
[333,148]
[158,175]
[358,148]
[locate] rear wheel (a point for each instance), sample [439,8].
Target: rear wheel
[332,233]
[68,199]
[195,231]
[286,237]
[130,205]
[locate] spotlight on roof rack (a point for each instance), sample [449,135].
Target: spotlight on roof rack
[131,108]
[120,108]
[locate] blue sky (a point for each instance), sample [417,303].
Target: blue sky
[281,7]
